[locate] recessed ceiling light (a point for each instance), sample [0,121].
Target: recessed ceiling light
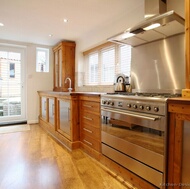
[65,20]
[50,35]
[1,24]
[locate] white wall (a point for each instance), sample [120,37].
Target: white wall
[34,81]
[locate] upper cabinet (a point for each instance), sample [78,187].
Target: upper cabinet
[64,65]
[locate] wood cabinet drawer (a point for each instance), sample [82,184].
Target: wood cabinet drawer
[90,119]
[90,142]
[93,132]
[88,106]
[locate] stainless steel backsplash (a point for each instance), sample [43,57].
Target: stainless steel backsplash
[159,65]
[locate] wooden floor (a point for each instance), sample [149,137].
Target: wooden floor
[33,160]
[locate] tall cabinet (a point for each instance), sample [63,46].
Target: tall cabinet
[64,65]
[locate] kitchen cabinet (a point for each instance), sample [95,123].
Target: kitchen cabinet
[67,117]
[178,143]
[47,110]
[64,65]
[90,130]
[63,125]
[59,117]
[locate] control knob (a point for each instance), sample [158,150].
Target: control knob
[156,109]
[148,108]
[141,107]
[134,106]
[111,103]
[128,105]
[104,101]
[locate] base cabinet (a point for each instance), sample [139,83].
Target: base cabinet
[90,131]
[178,144]
[67,117]
[47,110]
[59,117]
[63,119]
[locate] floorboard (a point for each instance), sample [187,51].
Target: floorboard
[32,159]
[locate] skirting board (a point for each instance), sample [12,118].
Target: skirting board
[32,121]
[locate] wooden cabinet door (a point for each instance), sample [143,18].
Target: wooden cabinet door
[64,120]
[64,65]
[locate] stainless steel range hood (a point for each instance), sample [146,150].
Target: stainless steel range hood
[168,24]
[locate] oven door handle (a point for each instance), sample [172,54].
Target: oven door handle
[152,118]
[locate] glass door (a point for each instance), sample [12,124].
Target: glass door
[12,85]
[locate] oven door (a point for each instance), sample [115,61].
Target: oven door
[136,141]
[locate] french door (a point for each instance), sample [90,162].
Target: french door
[12,84]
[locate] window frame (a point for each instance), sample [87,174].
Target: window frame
[117,63]
[45,66]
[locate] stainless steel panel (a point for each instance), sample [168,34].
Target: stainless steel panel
[136,152]
[159,65]
[149,174]
[157,124]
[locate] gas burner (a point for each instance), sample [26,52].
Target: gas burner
[159,95]
[156,95]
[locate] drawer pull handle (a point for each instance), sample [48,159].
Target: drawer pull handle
[87,130]
[88,106]
[88,142]
[87,118]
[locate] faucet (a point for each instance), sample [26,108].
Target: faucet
[70,89]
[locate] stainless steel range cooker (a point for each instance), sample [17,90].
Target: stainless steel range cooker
[134,131]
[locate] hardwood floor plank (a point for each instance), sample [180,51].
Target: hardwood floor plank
[32,159]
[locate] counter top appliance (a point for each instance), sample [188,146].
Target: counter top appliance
[134,132]
[121,83]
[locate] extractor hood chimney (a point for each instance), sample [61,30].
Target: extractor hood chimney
[154,7]
[158,24]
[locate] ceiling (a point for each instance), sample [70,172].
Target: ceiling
[33,21]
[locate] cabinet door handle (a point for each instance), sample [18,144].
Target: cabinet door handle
[87,118]
[88,142]
[87,130]
[88,106]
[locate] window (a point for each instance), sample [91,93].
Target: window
[42,60]
[93,68]
[108,65]
[104,62]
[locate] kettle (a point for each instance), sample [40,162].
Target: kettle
[119,87]
[120,84]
